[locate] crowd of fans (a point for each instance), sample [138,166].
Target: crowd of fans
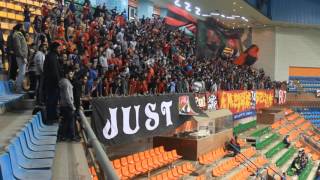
[90,53]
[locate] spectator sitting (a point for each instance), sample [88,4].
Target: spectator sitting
[286,141]
[234,146]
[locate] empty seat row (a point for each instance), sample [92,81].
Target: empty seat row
[232,163]
[30,154]
[285,157]
[274,150]
[140,163]
[18,8]
[212,156]
[278,123]
[244,127]
[175,173]
[6,95]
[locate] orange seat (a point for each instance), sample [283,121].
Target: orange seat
[175,173]
[161,148]
[145,166]
[175,154]
[147,154]
[136,157]
[151,164]
[157,150]
[124,161]
[116,163]
[130,159]
[139,168]
[141,156]
[132,170]
[180,171]
[126,173]
[152,152]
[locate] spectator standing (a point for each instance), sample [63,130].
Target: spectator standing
[67,107]
[27,15]
[39,59]
[20,48]
[11,55]
[51,72]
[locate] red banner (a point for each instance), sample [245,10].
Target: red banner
[239,101]
[264,98]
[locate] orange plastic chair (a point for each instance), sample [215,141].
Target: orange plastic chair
[141,156]
[175,154]
[147,154]
[165,175]
[156,161]
[126,173]
[139,168]
[130,159]
[136,157]
[161,148]
[124,161]
[175,172]
[180,171]
[157,150]
[152,152]
[132,170]
[116,163]
[151,164]
[145,166]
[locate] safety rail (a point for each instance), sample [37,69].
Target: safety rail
[101,156]
[249,161]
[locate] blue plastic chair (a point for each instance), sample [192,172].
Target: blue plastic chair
[47,134]
[40,136]
[34,140]
[5,167]
[21,173]
[16,151]
[33,154]
[35,147]
[49,129]
[54,127]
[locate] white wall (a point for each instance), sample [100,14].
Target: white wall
[296,47]
[265,39]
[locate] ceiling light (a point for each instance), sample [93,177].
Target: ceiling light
[234,10]
[236,16]
[230,17]
[241,7]
[234,3]
[222,15]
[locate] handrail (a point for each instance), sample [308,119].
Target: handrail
[102,158]
[238,150]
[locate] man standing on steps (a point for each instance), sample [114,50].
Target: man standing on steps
[51,75]
[20,48]
[67,108]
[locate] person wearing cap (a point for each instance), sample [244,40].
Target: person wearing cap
[51,73]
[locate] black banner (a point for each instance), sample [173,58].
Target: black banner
[119,120]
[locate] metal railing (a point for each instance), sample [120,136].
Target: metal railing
[248,162]
[101,156]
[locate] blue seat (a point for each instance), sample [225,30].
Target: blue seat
[16,151]
[34,140]
[34,147]
[43,127]
[26,174]
[37,129]
[40,139]
[5,168]
[32,154]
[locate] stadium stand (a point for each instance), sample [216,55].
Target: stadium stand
[7,97]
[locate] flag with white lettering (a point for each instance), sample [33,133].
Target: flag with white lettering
[120,120]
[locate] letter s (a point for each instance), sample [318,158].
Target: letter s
[165,110]
[152,116]
[110,130]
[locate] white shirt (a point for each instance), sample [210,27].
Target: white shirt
[39,61]
[103,61]
[109,53]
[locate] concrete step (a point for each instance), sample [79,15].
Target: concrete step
[11,123]
[70,162]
